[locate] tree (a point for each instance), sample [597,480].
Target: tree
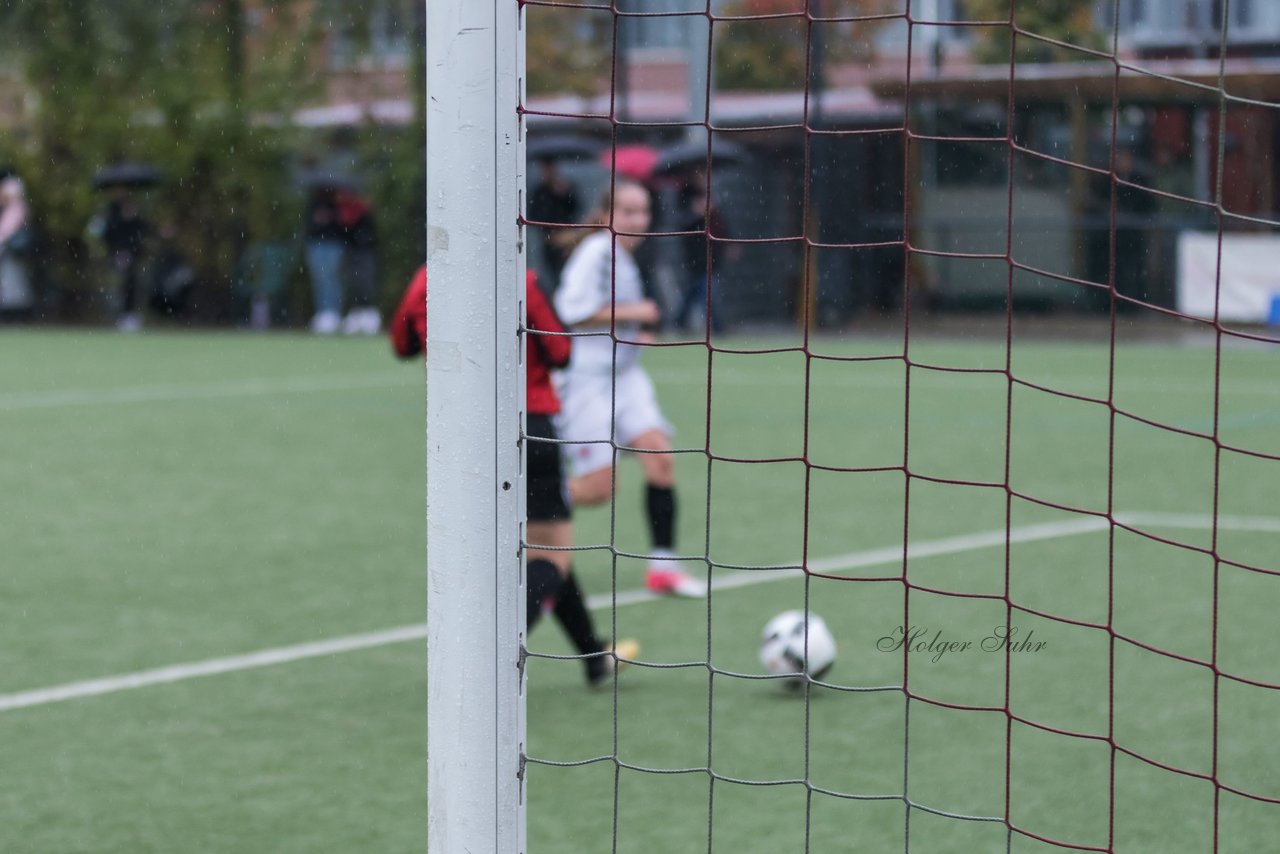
[190,87]
[1069,21]
[763,53]
[766,44]
[397,160]
[568,49]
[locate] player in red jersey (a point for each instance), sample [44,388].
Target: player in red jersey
[550,584]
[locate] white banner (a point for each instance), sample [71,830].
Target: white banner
[1249,280]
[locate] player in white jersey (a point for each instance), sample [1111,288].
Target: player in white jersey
[608,399]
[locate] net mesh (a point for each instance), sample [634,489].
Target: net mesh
[1116,503]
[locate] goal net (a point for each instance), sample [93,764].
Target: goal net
[960,320]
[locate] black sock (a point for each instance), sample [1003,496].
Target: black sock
[542,581]
[660,501]
[571,611]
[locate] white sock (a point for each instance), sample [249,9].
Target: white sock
[663,559]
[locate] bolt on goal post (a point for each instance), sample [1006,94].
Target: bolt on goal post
[475,401]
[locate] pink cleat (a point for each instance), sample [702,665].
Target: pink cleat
[674,582]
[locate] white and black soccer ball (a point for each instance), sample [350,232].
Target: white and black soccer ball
[783,650]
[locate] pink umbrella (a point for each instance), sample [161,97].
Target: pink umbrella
[634,161]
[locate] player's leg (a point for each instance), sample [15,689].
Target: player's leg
[592,488]
[550,570]
[586,420]
[547,519]
[642,426]
[574,616]
[664,575]
[544,569]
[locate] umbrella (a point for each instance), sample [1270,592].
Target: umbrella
[560,145]
[633,161]
[126,174]
[692,155]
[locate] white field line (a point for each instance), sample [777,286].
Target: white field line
[743,578]
[213,666]
[172,392]
[882,556]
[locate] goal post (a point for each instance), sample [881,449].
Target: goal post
[475,495]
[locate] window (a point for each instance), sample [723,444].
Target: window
[380,34]
[389,31]
[1243,13]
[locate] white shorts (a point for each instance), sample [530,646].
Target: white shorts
[588,414]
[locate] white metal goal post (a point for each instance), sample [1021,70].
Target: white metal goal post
[475,495]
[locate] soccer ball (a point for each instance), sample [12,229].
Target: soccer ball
[782,650]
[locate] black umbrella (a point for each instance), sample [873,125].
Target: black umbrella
[691,155]
[561,145]
[126,174]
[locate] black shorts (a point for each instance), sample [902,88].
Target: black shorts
[545,494]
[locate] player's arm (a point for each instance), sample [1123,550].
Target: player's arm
[583,300]
[642,312]
[541,317]
[408,330]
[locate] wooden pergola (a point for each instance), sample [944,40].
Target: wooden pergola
[1247,89]
[1191,81]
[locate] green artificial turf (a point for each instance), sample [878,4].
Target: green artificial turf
[171,498]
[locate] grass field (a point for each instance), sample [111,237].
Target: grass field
[171,499]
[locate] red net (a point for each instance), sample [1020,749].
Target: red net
[1012,231]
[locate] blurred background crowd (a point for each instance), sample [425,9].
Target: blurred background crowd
[242,162]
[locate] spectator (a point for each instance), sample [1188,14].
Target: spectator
[15,244]
[361,246]
[552,200]
[124,232]
[324,254]
[704,258]
[172,276]
[1134,212]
